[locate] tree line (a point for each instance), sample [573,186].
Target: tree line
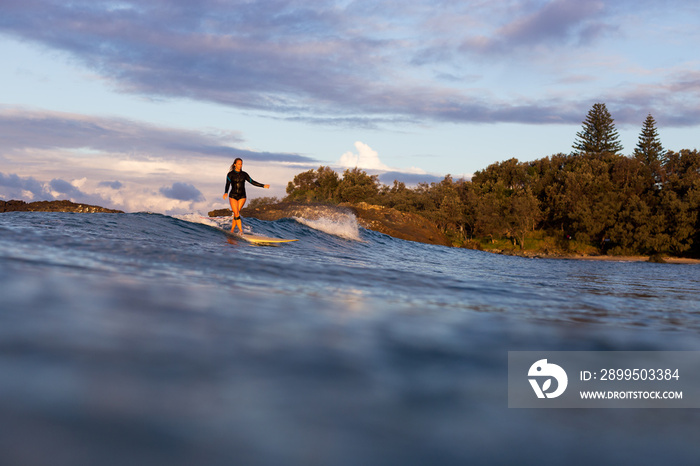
[593,198]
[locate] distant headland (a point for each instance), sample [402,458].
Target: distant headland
[53,206]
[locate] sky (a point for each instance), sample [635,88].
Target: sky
[142,105]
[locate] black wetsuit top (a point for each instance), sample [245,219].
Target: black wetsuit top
[236,180]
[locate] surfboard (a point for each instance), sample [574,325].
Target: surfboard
[257,239]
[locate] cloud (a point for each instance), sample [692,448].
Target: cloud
[366,158]
[13,186]
[62,187]
[41,151]
[334,62]
[555,23]
[679,93]
[132,197]
[244,54]
[182,192]
[22,129]
[116,185]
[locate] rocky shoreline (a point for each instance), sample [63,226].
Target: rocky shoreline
[53,206]
[401,225]
[598,257]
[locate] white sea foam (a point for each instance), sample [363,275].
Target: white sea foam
[222,223]
[198,218]
[336,223]
[344,226]
[216,222]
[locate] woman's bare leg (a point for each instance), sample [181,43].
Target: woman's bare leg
[235,213]
[236,206]
[241,203]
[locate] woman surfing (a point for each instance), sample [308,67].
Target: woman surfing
[235,179]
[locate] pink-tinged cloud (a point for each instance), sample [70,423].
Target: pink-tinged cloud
[551,26]
[23,129]
[560,20]
[182,192]
[13,186]
[357,63]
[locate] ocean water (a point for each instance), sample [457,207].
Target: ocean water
[149,339]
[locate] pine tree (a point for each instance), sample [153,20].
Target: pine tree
[649,150]
[599,136]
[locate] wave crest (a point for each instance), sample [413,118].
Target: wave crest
[344,226]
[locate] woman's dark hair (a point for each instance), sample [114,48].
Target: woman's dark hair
[233,165]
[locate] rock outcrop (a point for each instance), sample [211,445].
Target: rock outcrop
[385,220]
[402,225]
[53,206]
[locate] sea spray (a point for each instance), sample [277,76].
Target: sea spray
[222,223]
[331,220]
[344,226]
